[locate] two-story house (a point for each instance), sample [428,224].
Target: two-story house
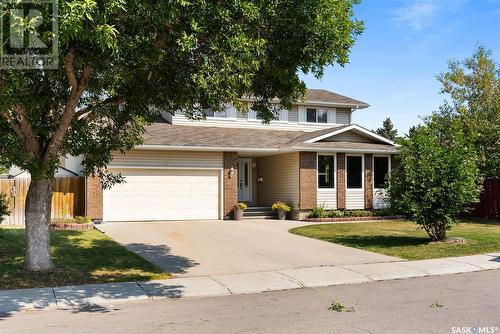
[185,170]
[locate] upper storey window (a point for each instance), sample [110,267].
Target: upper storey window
[314,115]
[211,113]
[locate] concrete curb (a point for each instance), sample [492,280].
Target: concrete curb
[102,295]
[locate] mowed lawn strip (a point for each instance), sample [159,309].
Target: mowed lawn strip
[405,240]
[81,257]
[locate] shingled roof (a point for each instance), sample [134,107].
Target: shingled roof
[167,135]
[323,95]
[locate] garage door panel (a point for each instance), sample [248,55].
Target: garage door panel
[163,195]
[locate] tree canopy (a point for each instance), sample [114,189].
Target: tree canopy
[124,61]
[436,177]
[387,130]
[473,89]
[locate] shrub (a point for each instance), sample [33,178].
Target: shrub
[282,206]
[241,205]
[335,213]
[4,206]
[385,212]
[83,220]
[437,177]
[358,213]
[318,212]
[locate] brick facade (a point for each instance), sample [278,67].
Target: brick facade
[341,182]
[230,183]
[93,205]
[308,182]
[368,181]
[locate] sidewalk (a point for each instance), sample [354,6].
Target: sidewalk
[102,295]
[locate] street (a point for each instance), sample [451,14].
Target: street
[439,304]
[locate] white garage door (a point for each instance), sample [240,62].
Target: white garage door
[163,195]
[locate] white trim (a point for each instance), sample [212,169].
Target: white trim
[342,150]
[159,167]
[204,148]
[334,155]
[319,103]
[362,171]
[348,128]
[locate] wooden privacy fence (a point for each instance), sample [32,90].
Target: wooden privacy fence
[489,205]
[68,198]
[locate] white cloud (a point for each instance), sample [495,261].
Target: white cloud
[421,13]
[417,14]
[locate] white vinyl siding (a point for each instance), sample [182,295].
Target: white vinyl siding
[154,158]
[379,199]
[343,116]
[327,198]
[280,179]
[293,115]
[349,136]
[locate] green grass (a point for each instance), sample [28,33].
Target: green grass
[81,257]
[404,239]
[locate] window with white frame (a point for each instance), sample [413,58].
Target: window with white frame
[380,171]
[326,171]
[281,116]
[354,167]
[212,113]
[314,115]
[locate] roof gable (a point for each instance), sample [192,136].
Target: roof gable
[350,133]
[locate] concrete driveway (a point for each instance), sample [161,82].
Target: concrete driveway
[202,248]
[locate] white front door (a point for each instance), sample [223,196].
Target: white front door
[245,180]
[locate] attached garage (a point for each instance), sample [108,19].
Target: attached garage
[164,194]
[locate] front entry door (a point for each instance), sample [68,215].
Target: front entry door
[244,180]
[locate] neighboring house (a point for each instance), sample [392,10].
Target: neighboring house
[15,173]
[185,170]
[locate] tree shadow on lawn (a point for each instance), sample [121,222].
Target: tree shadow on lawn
[379,241]
[83,258]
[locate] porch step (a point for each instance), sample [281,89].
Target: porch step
[259,212]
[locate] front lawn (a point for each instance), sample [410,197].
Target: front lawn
[404,239]
[81,257]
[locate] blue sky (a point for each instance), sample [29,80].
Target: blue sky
[394,63]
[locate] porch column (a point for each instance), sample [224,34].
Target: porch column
[308,177]
[340,181]
[369,181]
[230,183]
[93,198]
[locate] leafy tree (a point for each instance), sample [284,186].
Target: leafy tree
[473,87]
[124,60]
[436,177]
[4,207]
[387,130]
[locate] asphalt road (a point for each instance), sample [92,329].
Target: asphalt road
[439,304]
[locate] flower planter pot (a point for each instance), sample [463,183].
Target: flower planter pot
[281,215]
[238,213]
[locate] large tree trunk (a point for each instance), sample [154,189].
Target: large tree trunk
[38,211]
